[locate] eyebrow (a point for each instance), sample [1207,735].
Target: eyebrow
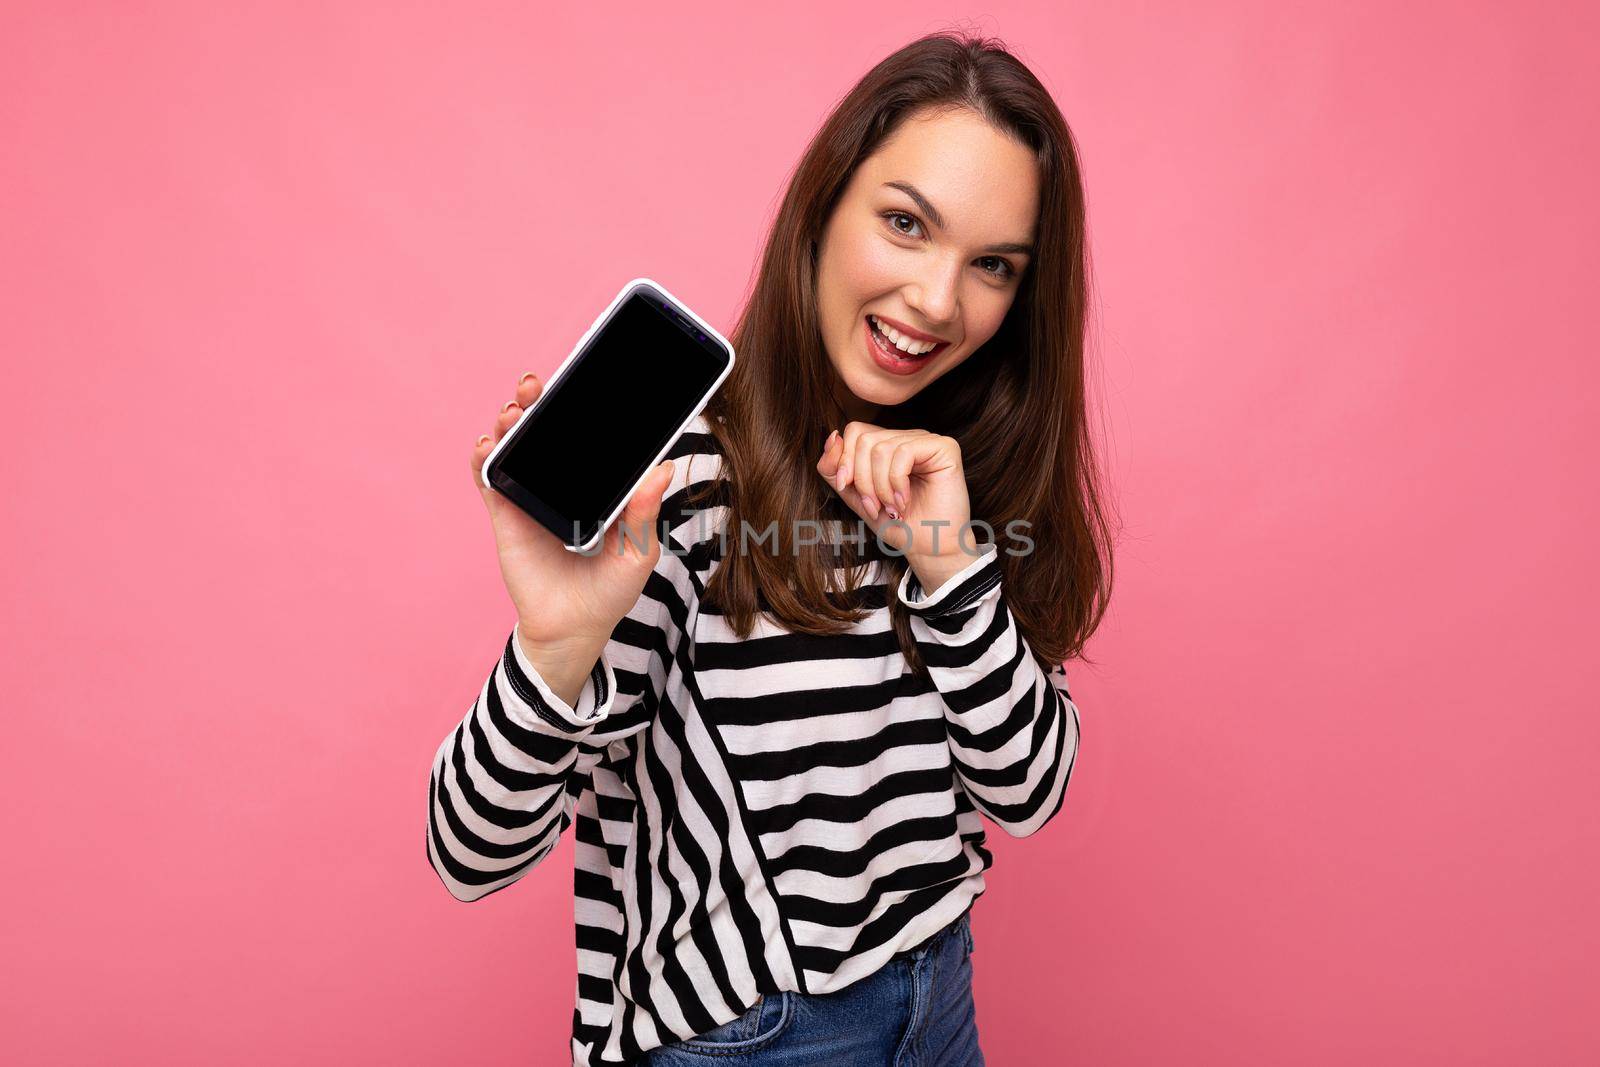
[1024,247]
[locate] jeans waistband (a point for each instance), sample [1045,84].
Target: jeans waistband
[926,942]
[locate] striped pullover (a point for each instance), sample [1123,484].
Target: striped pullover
[778,812]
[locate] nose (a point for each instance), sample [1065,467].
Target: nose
[934,293]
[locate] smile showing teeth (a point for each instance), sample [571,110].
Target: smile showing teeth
[900,341]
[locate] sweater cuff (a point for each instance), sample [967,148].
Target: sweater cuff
[960,590]
[595,699]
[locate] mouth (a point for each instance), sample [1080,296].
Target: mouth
[890,358]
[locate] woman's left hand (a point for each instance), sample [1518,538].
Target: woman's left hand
[868,465]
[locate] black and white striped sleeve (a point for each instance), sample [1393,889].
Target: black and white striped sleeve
[1012,725]
[505,781]
[499,795]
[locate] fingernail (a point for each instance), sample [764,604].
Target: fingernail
[844,477]
[899,502]
[871,505]
[525,377]
[509,404]
[892,514]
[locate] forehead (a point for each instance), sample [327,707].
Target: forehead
[984,182]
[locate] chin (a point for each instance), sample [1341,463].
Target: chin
[873,391]
[871,386]
[869,389]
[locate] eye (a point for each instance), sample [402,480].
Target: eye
[892,215]
[1007,269]
[1004,271]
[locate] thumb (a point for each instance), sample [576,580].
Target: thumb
[639,515]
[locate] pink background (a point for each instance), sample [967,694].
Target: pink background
[266,273]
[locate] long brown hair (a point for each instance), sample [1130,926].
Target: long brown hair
[1016,406]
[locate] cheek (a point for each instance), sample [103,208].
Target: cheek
[864,268]
[985,321]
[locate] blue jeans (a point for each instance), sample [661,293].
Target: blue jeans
[914,1011]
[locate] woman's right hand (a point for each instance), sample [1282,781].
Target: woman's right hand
[567,599]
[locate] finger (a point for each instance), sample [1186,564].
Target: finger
[528,389]
[882,491]
[839,466]
[885,446]
[480,452]
[900,466]
[832,449]
[507,418]
[861,473]
[849,435]
[851,498]
[481,448]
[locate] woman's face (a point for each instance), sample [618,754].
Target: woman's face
[931,235]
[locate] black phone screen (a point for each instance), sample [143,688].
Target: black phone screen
[575,456]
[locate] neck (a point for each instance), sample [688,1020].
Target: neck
[855,409]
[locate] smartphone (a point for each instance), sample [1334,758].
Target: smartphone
[609,413]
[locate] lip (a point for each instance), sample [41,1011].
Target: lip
[900,327]
[896,364]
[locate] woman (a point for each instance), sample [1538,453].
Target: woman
[777,746]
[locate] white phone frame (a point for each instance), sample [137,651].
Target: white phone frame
[622,295]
